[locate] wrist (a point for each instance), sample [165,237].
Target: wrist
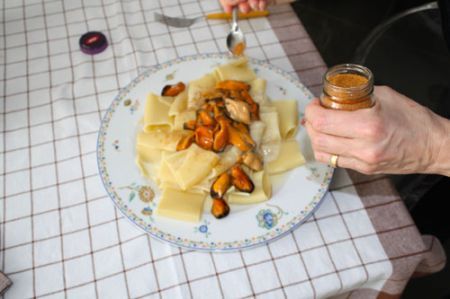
[441,160]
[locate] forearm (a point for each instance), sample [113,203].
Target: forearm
[441,163]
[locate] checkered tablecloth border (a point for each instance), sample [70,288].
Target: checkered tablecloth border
[56,164]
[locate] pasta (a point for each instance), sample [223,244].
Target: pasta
[156,114]
[289,157]
[262,192]
[181,205]
[197,88]
[179,104]
[236,70]
[258,91]
[159,139]
[218,140]
[288,117]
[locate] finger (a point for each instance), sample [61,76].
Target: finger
[346,162]
[332,144]
[233,2]
[229,4]
[254,4]
[338,122]
[262,5]
[226,6]
[244,7]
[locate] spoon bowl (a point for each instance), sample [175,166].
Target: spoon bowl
[235,39]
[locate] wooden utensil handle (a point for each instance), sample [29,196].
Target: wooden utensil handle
[227,16]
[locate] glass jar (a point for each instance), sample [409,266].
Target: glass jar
[347,87]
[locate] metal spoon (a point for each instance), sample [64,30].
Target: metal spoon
[235,39]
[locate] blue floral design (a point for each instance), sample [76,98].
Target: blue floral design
[203,229]
[268,218]
[148,211]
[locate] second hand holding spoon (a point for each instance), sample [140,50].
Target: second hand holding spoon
[235,39]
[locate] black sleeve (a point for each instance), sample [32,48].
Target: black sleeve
[444,6]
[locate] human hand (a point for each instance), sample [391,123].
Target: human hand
[396,136]
[245,6]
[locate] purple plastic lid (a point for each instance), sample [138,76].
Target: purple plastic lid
[93,42]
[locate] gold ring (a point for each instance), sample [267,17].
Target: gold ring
[334,161]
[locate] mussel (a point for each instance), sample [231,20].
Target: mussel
[204,137]
[221,135]
[253,106]
[220,208]
[185,141]
[232,85]
[204,118]
[238,111]
[252,161]
[240,180]
[240,138]
[173,90]
[190,125]
[220,185]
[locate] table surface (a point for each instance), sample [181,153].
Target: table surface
[61,236]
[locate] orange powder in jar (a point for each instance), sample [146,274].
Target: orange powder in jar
[348,80]
[347,87]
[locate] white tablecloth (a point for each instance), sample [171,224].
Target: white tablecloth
[61,236]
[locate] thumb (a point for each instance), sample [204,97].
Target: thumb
[311,107]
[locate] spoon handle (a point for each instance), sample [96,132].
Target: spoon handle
[235,16]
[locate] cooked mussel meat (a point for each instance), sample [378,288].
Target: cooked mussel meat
[252,160]
[240,180]
[220,185]
[240,138]
[220,208]
[238,110]
[204,137]
[204,118]
[190,125]
[173,90]
[221,134]
[185,141]
[232,85]
[253,106]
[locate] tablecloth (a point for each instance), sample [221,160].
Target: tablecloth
[61,236]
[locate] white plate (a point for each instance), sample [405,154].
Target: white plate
[296,194]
